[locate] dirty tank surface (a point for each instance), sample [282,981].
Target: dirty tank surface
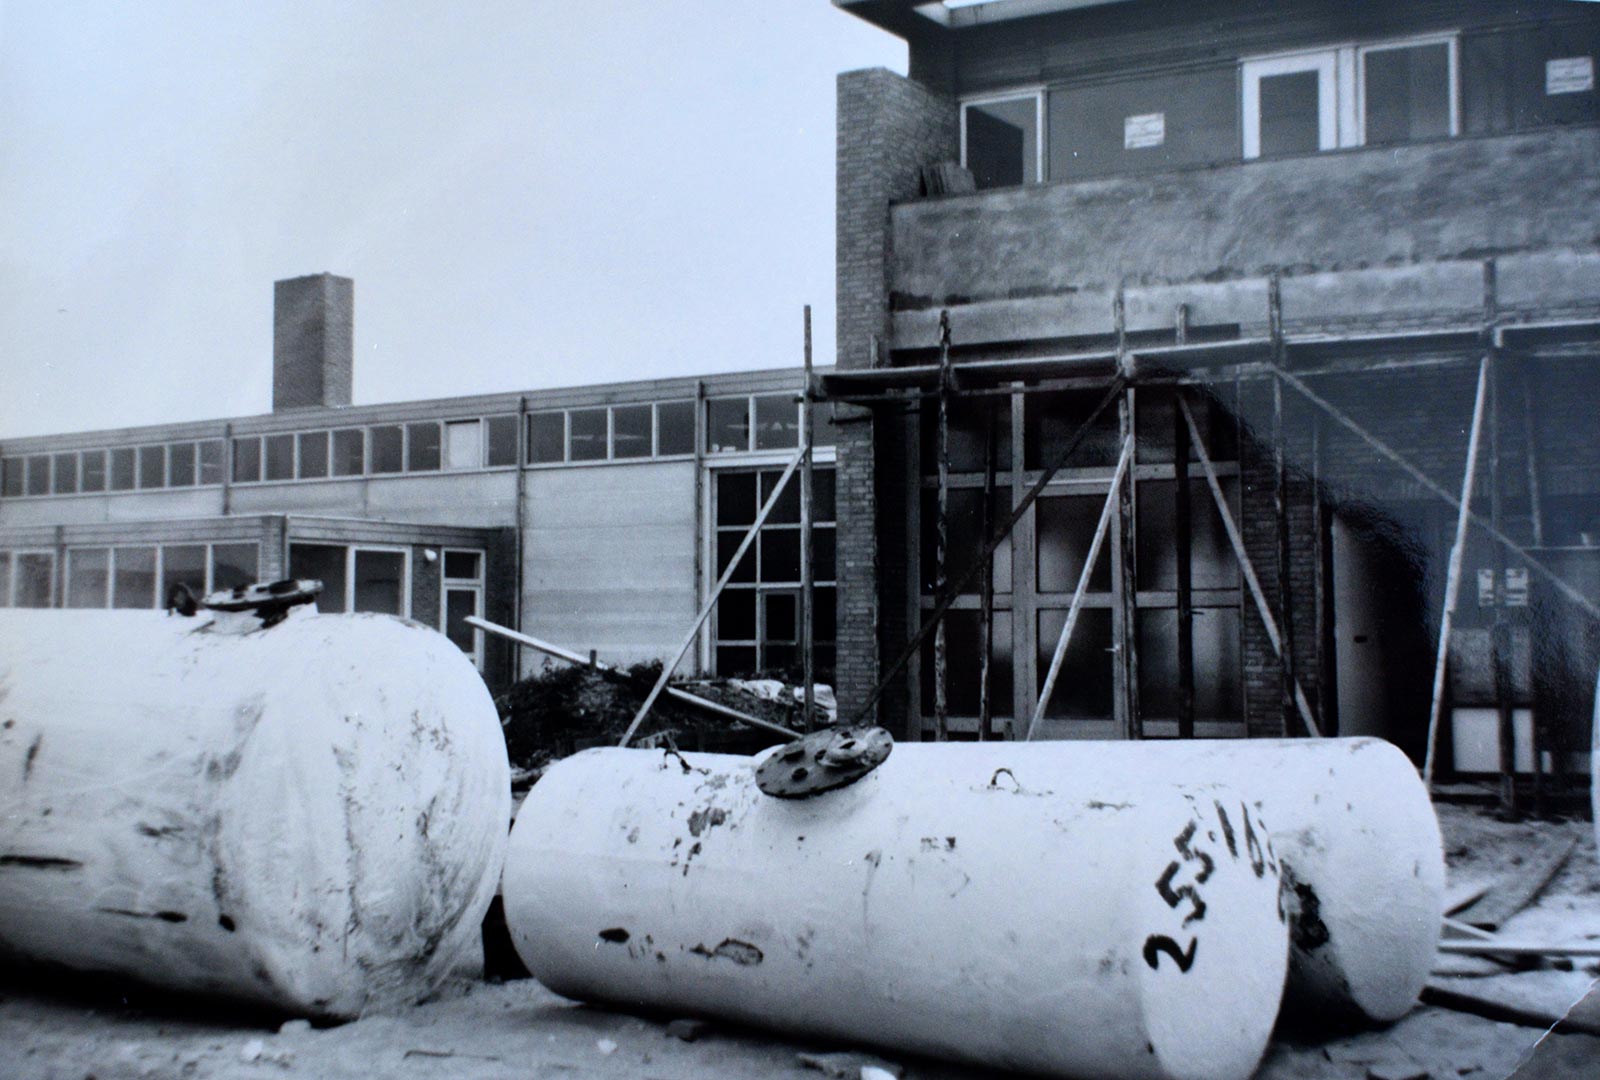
[68,1030]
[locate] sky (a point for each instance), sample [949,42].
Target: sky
[527,195]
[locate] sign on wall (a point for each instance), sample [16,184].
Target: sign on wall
[1570,75]
[1144,130]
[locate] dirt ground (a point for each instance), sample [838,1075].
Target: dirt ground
[77,1028]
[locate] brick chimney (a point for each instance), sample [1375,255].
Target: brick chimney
[313,332]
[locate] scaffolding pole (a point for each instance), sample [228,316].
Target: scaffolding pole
[1452,581]
[807,551]
[986,587]
[1113,392]
[1427,482]
[1113,499]
[941,671]
[1262,607]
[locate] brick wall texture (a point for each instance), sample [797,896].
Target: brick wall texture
[888,127]
[313,340]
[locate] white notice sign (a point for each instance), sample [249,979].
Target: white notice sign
[1572,75]
[1147,129]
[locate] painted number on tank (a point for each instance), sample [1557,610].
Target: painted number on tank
[1156,944]
[1196,860]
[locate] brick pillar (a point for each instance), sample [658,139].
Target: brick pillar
[888,127]
[313,341]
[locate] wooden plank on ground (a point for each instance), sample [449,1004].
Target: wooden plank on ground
[1509,896]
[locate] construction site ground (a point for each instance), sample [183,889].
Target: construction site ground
[74,1028]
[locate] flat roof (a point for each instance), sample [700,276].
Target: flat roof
[901,17]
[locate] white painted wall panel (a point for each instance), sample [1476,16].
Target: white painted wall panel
[609,559]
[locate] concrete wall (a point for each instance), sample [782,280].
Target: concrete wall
[609,559]
[1463,199]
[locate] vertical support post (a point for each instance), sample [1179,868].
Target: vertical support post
[1024,584]
[1181,325]
[1530,434]
[227,468]
[1183,542]
[520,536]
[1319,580]
[1280,506]
[807,551]
[1452,581]
[1127,637]
[941,551]
[986,589]
[704,535]
[1500,631]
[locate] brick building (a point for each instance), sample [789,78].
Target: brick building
[594,517]
[1313,226]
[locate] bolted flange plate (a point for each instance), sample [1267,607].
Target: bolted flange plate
[823,761]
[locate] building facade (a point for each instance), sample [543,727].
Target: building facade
[596,517]
[1332,234]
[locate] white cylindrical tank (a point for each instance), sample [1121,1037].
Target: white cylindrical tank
[311,815]
[1091,924]
[1363,862]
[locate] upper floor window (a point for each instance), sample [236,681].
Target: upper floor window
[1350,96]
[1000,141]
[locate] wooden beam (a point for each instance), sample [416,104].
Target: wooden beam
[1126,653]
[589,661]
[986,586]
[1394,457]
[1452,581]
[1113,392]
[1113,498]
[1262,607]
[711,601]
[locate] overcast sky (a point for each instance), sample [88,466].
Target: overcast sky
[527,194]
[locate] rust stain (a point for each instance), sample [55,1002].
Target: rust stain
[709,818]
[40,862]
[33,752]
[740,952]
[616,935]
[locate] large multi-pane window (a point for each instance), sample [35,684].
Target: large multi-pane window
[620,432]
[1036,568]
[355,577]
[146,575]
[27,578]
[758,615]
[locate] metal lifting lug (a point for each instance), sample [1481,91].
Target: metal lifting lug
[824,760]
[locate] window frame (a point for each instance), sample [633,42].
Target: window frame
[477,585]
[1452,43]
[8,586]
[1038,92]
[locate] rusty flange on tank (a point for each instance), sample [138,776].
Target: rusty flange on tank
[823,761]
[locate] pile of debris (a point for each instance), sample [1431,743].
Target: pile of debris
[566,708]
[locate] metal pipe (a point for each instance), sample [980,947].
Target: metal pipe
[588,661]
